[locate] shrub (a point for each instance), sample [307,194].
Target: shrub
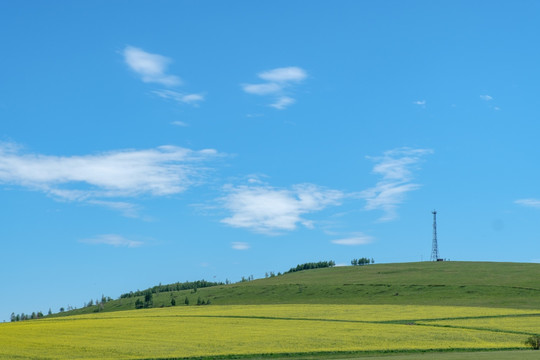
[534,342]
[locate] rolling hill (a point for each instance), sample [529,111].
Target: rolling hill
[482,284]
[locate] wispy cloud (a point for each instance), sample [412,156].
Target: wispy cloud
[262,89]
[192,99]
[357,239]
[179,123]
[534,203]
[279,83]
[420,102]
[284,75]
[395,167]
[127,209]
[112,240]
[99,177]
[240,246]
[486,97]
[269,210]
[151,68]
[283,102]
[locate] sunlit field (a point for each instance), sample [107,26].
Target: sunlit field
[179,332]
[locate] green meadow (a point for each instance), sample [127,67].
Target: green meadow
[427,310]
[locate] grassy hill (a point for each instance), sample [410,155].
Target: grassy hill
[483,284]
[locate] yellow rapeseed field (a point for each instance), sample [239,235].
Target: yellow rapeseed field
[221,330]
[526,324]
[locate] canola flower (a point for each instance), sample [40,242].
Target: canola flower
[256,329]
[525,324]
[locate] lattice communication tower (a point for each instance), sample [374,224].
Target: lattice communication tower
[435,246]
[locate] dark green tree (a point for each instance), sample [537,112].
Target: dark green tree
[186,301]
[534,342]
[173,302]
[139,304]
[148,299]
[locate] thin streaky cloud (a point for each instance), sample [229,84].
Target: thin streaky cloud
[191,99]
[358,239]
[280,83]
[112,240]
[284,75]
[269,210]
[534,203]
[486,97]
[152,68]
[283,102]
[127,209]
[396,169]
[240,246]
[420,102]
[262,89]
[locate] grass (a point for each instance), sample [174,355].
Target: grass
[482,284]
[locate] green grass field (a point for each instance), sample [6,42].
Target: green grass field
[388,311]
[484,284]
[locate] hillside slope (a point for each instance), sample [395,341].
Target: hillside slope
[511,285]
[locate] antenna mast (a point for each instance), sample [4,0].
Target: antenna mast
[434,247]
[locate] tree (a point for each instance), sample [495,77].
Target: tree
[50,312]
[173,302]
[61,309]
[186,301]
[139,304]
[13,317]
[534,342]
[148,299]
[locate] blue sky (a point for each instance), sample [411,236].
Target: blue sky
[145,142]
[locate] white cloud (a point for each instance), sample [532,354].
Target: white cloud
[269,210]
[486,97]
[179,123]
[125,173]
[126,208]
[262,89]
[151,67]
[283,102]
[395,167]
[112,240]
[420,102]
[285,74]
[358,239]
[279,83]
[192,99]
[240,246]
[534,203]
